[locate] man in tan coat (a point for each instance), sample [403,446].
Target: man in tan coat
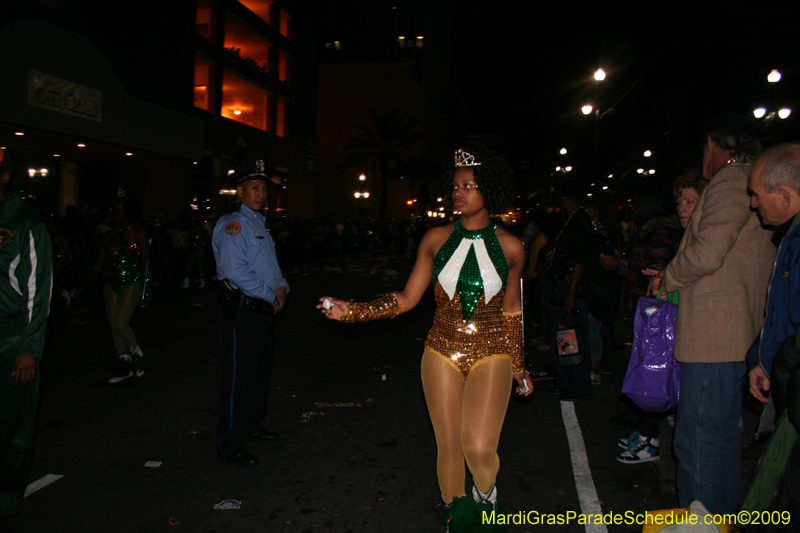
[722,270]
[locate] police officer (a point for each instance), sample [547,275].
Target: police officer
[252,290]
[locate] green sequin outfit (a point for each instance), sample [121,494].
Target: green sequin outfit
[126,265]
[466,328]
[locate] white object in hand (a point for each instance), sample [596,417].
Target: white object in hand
[327,304]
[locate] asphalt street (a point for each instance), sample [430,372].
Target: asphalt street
[357,452]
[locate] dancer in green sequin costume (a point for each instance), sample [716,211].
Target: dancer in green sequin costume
[125,252]
[473,352]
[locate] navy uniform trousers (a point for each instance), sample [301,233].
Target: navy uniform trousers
[247,350]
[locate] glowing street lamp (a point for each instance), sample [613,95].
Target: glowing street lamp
[562,151]
[648,153]
[785,112]
[587,109]
[760,112]
[600,74]
[774,76]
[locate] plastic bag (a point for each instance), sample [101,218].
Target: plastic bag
[568,333]
[653,378]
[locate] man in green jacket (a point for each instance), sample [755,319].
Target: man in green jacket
[25,287]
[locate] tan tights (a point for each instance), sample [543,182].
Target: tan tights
[119,309]
[467,417]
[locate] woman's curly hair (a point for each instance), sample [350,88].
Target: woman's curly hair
[494,177]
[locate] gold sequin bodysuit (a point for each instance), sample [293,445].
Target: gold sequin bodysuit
[485,334]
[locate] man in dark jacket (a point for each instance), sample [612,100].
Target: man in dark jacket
[775,188]
[25,287]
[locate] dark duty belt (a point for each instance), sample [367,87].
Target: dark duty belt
[232,299]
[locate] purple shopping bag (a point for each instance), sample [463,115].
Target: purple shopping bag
[653,379]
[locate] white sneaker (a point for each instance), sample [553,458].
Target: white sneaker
[186,283]
[623,443]
[202,284]
[644,451]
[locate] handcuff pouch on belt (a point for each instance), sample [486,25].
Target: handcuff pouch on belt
[231,300]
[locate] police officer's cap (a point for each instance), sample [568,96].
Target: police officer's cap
[737,123]
[255,169]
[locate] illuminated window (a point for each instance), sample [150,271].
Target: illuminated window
[286,24]
[206,18]
[281,129]
[419,41]
[284,64]
[202,83]
[247,44]
[246,102]
[262,8]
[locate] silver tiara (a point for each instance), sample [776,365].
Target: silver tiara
[465,159]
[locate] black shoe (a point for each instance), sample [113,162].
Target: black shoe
[240,458]
[556,390]
[264,434]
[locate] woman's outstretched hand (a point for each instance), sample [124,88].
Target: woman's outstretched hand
[521,378]
[337,307]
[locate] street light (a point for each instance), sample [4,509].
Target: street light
[357,194]
[362,177]
[774,76]
[587,109]
[648,153]
[762,112]
[562,151]
[600,74]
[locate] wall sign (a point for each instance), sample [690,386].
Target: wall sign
[62,96]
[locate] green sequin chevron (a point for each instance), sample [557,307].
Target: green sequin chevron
[470,283]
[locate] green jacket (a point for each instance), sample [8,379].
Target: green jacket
[26,282]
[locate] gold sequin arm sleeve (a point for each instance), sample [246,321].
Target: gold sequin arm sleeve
[387,306]
[513,323]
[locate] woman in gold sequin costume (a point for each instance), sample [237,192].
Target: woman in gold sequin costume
[125,253]
[473,352]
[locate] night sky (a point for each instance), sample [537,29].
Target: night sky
[529,67]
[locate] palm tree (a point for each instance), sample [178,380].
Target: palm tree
[384,146]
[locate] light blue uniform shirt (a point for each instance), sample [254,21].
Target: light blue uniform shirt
[245,254]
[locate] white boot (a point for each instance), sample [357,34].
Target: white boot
[136,352]
[480,497]
[123,363]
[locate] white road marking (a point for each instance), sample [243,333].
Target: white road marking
[587,494]
[41,483]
